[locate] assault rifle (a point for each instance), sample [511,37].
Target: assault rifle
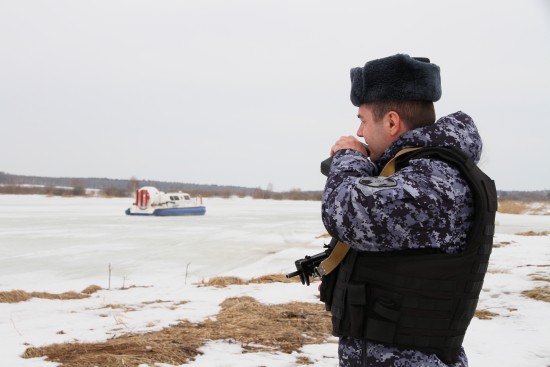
[309,265]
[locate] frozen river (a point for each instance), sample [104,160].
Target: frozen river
[69,243]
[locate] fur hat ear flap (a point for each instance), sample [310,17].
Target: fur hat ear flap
[357,88]
[396,78]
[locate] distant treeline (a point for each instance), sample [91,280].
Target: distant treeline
[106,187]
[525,196]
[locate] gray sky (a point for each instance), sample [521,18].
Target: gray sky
[255,92]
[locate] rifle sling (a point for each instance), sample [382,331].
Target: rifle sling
[341,249]
[336,256]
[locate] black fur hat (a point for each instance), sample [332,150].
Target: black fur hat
[396,78]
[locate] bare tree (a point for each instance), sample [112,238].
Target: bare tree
[133,184]
[78,187]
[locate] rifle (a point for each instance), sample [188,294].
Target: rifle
[309,265]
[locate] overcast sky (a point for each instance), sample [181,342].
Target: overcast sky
[253,93]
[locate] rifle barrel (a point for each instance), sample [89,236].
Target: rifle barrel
[291,275]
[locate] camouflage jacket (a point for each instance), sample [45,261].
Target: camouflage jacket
[426,204]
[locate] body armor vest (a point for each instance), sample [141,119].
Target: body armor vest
[420,299]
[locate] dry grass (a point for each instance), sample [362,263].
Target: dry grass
[153,302]
[539,294]
[485,314]
[304,360]
[285,327]
[21,296]
[502,244]
[522,207]
[124,308]
[540,210]
[92,289]
[257,327]
[175,346]
[221,282]
[493,270]
[533,233]
[274,278]
[541,277]
[512,207]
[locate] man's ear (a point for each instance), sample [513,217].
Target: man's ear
[394,123]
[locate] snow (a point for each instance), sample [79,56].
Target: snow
[55,244]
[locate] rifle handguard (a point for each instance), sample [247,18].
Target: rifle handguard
[310,266]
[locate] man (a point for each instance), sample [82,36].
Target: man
[404,294]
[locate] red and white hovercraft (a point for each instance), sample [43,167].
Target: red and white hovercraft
[150,201]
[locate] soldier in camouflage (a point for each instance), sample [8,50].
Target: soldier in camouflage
[427,204]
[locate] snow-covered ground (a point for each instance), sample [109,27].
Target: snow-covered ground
[57,244]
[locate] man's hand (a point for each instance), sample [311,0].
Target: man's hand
[349,142]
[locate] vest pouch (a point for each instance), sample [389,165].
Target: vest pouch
[383,316]
[356,297]
[327,288]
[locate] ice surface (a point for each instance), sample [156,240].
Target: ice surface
[70,242]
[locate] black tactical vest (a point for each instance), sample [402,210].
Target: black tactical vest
[417,299]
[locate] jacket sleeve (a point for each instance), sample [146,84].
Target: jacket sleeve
[417,207]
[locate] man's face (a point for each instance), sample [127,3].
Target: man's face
[373,132]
